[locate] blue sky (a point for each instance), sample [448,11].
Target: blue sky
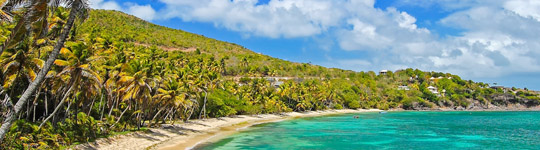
[490,41]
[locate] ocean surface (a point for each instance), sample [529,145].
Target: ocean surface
[393,130]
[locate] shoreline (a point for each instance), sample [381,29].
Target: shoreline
[195,132]
[189,135]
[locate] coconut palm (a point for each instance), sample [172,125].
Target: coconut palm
[78,69]
[135,85]
[19,63]
[57,21]
[79,9]
[171,95]
[4,15]
[32,24]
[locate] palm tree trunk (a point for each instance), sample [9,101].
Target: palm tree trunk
[102,107]
[28,111]
[203,111]
[57,107]
[67,110]
[91,105]
[172,117]
[42,73]
[35,101]
[113,105]
[190,114]
[167,116]
[149,123]
[46,102]
[122,114]
[3,4]
[7,100]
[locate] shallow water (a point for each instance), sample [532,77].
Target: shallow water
[393,130]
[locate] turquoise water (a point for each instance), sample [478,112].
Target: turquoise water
[394,130]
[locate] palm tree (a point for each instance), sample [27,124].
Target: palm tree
[57,21]
[212,82]
[77,67]
[4,15]
[171,95]
[79,10]
[135,85]
[35,16]
[19,63]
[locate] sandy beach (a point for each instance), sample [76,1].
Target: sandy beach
[187,135]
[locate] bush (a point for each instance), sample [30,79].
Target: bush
[338,106]
[26,135]
[407,104]
[354,104]
[426,104]
[82,129]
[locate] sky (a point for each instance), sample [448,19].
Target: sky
[491,41]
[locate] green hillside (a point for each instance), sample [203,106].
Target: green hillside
[114,25]
[119,73]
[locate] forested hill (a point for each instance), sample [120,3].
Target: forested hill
[118,26]
[129,37]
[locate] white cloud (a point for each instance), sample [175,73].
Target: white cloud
[496,41]
[525,8]
[101,4]
[362,36]
[287,18]
[145,12]
[355,62]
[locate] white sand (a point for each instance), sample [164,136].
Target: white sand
[187,135]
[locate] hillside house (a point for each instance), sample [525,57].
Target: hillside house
[504,89]
[433,90]
[404,87]
[383,72]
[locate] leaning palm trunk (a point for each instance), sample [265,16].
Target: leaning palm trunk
[122,114]
[155,116]
[203,111]
[42,73]
[57,107]
[102,107]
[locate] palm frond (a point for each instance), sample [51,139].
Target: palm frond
[61,63]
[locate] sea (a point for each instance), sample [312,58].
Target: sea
[392,130]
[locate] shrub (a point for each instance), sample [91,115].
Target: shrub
[354,104]
[338,106]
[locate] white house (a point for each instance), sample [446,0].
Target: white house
[433,90]
[403,87]
[383,72]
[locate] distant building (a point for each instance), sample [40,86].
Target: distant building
[383,72]
[505,89]
[497,87]
[271,80]
[277,83]
[403,87]
[433,90]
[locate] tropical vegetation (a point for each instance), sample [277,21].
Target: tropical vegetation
[66,82]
